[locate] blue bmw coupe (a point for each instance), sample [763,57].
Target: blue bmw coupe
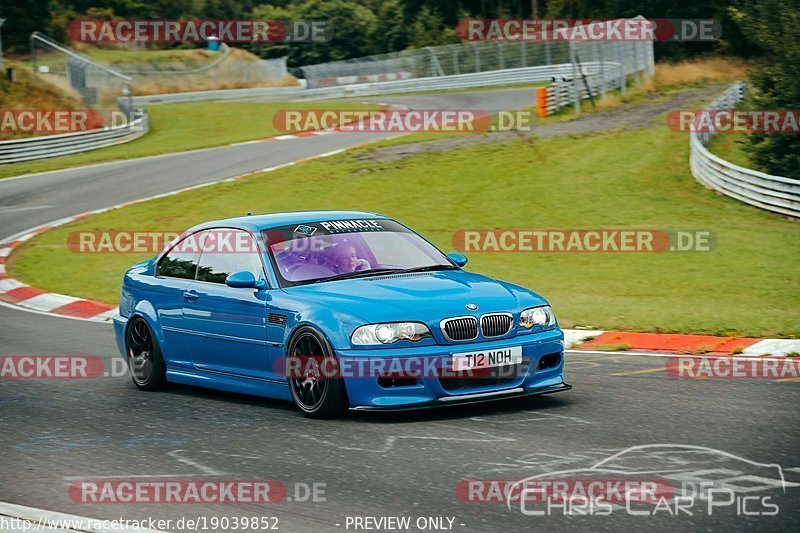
[333,310]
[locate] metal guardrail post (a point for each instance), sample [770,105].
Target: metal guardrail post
[623,78]
[33,55]
[500,55]
[599,55]
[2,21]
[574,62]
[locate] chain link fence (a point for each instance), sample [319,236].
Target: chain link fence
[596,65]
[230,69]
[98,86]
[448,60]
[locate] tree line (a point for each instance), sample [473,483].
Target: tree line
[764,30]
[365,27]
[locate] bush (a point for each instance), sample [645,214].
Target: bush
[773,24]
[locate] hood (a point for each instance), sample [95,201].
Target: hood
[427,297]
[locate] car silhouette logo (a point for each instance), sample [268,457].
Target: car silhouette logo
[308,231]
[471,307]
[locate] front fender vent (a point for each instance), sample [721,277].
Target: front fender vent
[275,318]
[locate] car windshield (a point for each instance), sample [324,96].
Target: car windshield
[325,251]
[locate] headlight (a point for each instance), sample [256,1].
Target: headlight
[537,316]
[389,332]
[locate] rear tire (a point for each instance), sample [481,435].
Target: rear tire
[315,395]
[145,363]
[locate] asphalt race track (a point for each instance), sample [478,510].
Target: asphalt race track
[55,432]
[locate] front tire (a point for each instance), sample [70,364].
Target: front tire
[315,394]
[145,363]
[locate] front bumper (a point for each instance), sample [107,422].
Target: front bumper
[367,393]
[120,323]
[448,401]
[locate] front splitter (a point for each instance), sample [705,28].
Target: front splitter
[448,401]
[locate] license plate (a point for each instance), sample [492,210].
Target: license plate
[487,358]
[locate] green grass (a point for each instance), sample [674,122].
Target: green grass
[179,127]
[521,85]
[112,56]
[747,285]
[730,147]
[116,57]
[620,347]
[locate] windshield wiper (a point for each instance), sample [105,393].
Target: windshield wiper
[357,274]
[365,273]
[427,268]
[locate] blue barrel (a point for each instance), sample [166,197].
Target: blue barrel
[213,43]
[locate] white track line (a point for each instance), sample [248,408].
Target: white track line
[774,347]
[105,317]
[54,315]
[48,301]
[9,285]
[673,355]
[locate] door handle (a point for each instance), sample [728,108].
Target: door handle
[191,295]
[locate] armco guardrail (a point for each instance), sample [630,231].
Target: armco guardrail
[773,193]
[437,83]
[278,93]
[56,145]
[461,81]
[95,83]
[588,65]
[561,93]
[15,151]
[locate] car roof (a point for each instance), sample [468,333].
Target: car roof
[255,223]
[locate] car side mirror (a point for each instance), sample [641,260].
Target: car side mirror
[458,258]
[244,280]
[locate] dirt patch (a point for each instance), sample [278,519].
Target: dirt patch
[628,117]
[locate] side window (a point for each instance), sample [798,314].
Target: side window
[228,251]
[181,261]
